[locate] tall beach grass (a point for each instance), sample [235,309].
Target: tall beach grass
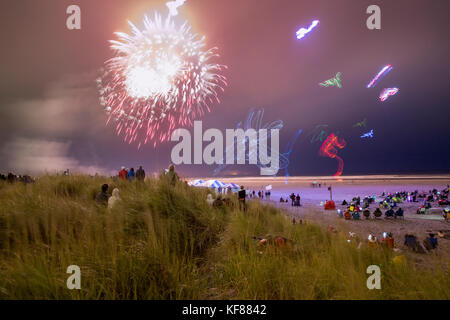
[164,241]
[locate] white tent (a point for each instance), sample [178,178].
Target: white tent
[214,184]
[196,183]
[232,185]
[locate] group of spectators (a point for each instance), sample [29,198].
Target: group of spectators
[295,200]
[103,197]
[131,175]
[259,195]
[11,178]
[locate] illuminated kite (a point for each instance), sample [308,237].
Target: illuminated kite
[329,149]
[173,7]
[318,136]
[361,124]
[289,148]
[379,76]
[368,134]
[386,93]
[303,31]
[336,81]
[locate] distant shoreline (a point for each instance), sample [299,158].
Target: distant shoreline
[332,178]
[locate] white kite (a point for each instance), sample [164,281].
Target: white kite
[173,5]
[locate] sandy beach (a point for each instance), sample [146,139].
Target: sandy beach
[353,186]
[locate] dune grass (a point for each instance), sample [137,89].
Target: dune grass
[165,242]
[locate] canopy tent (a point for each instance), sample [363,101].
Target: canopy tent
[196,183]
[233,185]
[214,184]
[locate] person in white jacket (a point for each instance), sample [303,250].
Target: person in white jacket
[114,198]
[209,199]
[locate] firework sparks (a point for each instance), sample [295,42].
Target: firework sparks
[328,149]
[303,31]
[379,76]
[386,93]
[160,78]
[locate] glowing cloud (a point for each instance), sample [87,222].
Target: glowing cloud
[379,76]
[303,31]
[328,149]
[386,93]
[336,81]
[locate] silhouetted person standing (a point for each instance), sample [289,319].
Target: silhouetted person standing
[140,174]
[131,175]
[241,197]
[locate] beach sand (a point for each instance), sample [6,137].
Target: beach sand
[362,186]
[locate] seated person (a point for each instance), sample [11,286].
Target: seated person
[356,215]
[372,241]
[377,213]
[422,210]
[446,214]
[366,213]
[218,202]
[347,215]
[389,213]
[281,199]
[431,242]
[344,203]
[388,240]
[399,212]
[412,243]
[102,197]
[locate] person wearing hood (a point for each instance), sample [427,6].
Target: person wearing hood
[114,198]
[140,174]
[102,196]
[209,199]
[123,173]
[131,175]
[172,175]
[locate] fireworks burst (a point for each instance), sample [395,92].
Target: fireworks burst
[160,78]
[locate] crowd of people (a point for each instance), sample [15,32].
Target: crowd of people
[259,195]
[11,178]
[104,198]
[391,204]
[131,175]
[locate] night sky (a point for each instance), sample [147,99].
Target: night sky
[51,117]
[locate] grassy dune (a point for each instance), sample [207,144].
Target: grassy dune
[166,242]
